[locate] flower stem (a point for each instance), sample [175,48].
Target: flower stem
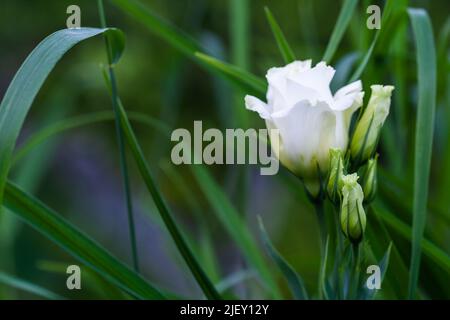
[320,212]
[119,134]
[355,272]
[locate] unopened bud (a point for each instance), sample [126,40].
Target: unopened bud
[353,217]
[367,132]
[370,180]
[335,172]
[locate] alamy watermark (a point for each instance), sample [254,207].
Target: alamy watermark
[237,146]
[374,20]
[73,281]
[74,20]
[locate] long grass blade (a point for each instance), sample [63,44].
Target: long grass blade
[27,286]
[26,84]
[437,255]
[295,282]
[191,48]
[345,15]
[426,64]
[114,47]
[80,121]
[235,226]
[197,271]
[57,229]
[283,45]
[383,264]
[388,10]
[173,35]
[244,79]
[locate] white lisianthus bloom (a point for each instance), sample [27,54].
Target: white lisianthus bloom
[309,118]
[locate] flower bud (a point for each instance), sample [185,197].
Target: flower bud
[336,171]
[366,135]
[353,217]
[370,180]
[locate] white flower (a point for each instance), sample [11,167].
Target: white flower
[310,119]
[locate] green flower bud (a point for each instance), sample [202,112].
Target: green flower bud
[367,132]
[353,217]
[370,180]
[336,170]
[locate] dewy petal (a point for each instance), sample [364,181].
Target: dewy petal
[254,104]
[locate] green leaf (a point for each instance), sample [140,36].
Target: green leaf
[345,15]
[197,271]
[234,224]
[283,45]
[28,287]
[426,75]
[26,84]
[244,79]
[57,229]
[294,280]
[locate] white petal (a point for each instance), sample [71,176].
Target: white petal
[350,88]
[307,133]
[346,97]
[254,104]
[276,77]
[317,78]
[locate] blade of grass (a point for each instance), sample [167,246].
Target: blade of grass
[191,48]
[346,13]
[283,45]
[246,80]
[112,59]
[26,84]
[58,230]
[426,75]
[388,10]
[91,279]
[295,282]
[80,121]
[235,226]
[383,264]
[379,238]
[323,293]
[197,271]
[173,35]
[28,287]
[84,120]
[437,255]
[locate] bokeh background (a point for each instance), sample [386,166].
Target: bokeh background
[78,173]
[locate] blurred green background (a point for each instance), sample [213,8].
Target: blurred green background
[78,173]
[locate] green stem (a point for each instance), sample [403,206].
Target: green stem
[119,134]
[320,212]
[355,272]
